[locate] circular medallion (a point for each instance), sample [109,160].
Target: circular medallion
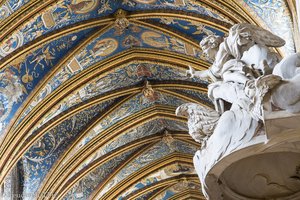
[145,1]
[82,6]
[104,47]
[4,12]
[155,39]
[11,44]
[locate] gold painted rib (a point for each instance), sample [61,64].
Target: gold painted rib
[24,127]
[143,172]
[163,183]
[109,134]
[188,194]
[67,185]
[38,42]
[23,13]
[149,15]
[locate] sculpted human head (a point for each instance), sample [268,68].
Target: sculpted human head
[242,33]
[210,46]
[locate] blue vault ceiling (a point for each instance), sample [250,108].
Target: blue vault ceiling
[87,103]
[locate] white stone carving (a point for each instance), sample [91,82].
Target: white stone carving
[201,120]
[251,90]
[287,94]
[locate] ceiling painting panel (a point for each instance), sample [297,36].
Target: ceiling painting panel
[9,7]
[39,159]
[123,76]
[180,5]
[106,46]
[84,187]
[132,36]
[177,188]
[276,15]
[156,152]
[133,105]
[147,129]
[196,30]
[58,15]
[21,77]
[148,195]
[161,174]
[195,94]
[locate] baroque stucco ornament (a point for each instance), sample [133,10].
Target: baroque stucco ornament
[252,90]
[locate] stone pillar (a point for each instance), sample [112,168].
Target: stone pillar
[11,189]
[2,192]
[294,7]
[16,191]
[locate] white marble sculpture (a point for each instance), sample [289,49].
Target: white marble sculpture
[248,84]
[201,120]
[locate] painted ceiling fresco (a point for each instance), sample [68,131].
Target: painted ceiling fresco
[21,77]
[88,92]
[9,7]
[276,15]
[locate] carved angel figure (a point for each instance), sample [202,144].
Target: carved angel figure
[201,120]
[286,95]
[241,38]
[210,46]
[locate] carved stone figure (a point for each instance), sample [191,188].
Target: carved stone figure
[253,93]
[201,120]
[241,38]
[210,46]
[286,95]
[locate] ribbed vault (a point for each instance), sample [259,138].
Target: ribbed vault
[88,92]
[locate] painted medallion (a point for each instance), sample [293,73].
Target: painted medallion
[104,47]
[146,1]
[155,39]
[82,6]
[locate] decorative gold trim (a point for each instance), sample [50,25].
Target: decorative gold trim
[136,178]
[13,20]
[144,171]
[69,183]
[50,175]
[181,96]
[109,134]
[50,37]
[171,181]
[93,71]
[149,15]
[153,197]
[56,121]
[46,79]
[41,109]
[187,194]
[100,187]
[166,32]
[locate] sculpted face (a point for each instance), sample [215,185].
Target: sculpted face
[242,34]
[210,46]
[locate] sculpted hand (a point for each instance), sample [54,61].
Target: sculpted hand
[190,72]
